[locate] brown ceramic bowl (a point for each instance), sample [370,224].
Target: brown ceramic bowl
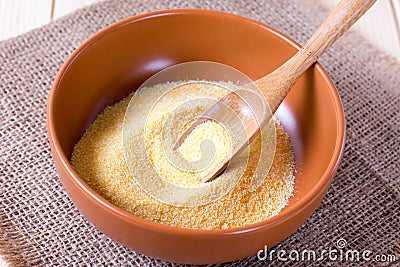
[116,60]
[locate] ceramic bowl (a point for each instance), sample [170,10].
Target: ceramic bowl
[116,60]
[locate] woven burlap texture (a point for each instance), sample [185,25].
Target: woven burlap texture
[39,225]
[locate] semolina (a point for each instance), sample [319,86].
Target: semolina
[99,159]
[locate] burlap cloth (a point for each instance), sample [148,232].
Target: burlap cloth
[39,225]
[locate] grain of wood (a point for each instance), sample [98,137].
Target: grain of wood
[18,16]
[380,25]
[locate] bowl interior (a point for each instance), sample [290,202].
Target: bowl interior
[113,63]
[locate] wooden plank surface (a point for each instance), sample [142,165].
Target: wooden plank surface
[63,7]
[381,25]
[18,16]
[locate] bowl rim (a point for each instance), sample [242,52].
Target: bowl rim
[60,157]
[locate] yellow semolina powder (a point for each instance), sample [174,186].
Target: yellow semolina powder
[99,159]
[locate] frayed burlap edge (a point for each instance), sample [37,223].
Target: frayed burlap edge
[13,243]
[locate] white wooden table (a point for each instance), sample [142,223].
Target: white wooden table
[381,25]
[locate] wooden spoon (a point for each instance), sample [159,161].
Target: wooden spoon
[276,85]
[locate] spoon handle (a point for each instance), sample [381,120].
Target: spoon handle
[277,84]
